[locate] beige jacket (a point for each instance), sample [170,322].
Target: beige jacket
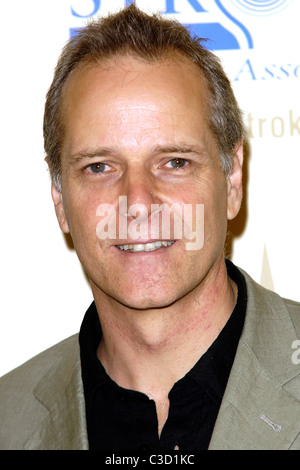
[42,402]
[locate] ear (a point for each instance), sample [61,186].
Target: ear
[234,184]
[59,208]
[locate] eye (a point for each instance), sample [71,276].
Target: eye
[178,163]
[97,167]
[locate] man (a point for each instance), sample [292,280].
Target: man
[180,350]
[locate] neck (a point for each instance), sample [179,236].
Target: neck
[149,350]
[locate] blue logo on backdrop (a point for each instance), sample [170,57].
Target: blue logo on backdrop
[220,37]
[217,24]
[261,7]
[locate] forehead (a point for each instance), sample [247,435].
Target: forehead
[174,74]
[127,97]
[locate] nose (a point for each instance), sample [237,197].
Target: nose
[140,190]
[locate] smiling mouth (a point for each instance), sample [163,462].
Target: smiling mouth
[138,247]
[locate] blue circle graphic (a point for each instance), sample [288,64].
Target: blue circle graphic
[261,7]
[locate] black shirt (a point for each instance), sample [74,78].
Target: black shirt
[121,419]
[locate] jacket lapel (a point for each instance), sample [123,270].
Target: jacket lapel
[256,412]
[260,408]
[61,392]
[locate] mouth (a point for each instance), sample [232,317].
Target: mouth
[139,247]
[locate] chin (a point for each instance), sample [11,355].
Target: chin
[147,301]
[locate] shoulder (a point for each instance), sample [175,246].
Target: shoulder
[19,408]
[32,370]
[260,298]
[256,289]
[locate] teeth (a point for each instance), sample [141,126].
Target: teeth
[144,246]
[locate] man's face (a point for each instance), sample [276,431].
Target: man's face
[139,130]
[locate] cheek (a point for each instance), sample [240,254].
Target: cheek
[81,216]
[215,212]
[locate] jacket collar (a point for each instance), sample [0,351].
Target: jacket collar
[260,408]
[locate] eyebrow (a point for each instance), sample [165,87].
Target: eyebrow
[159,149]
[181,148]
[99,152]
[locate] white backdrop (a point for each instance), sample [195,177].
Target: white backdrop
[44,293]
